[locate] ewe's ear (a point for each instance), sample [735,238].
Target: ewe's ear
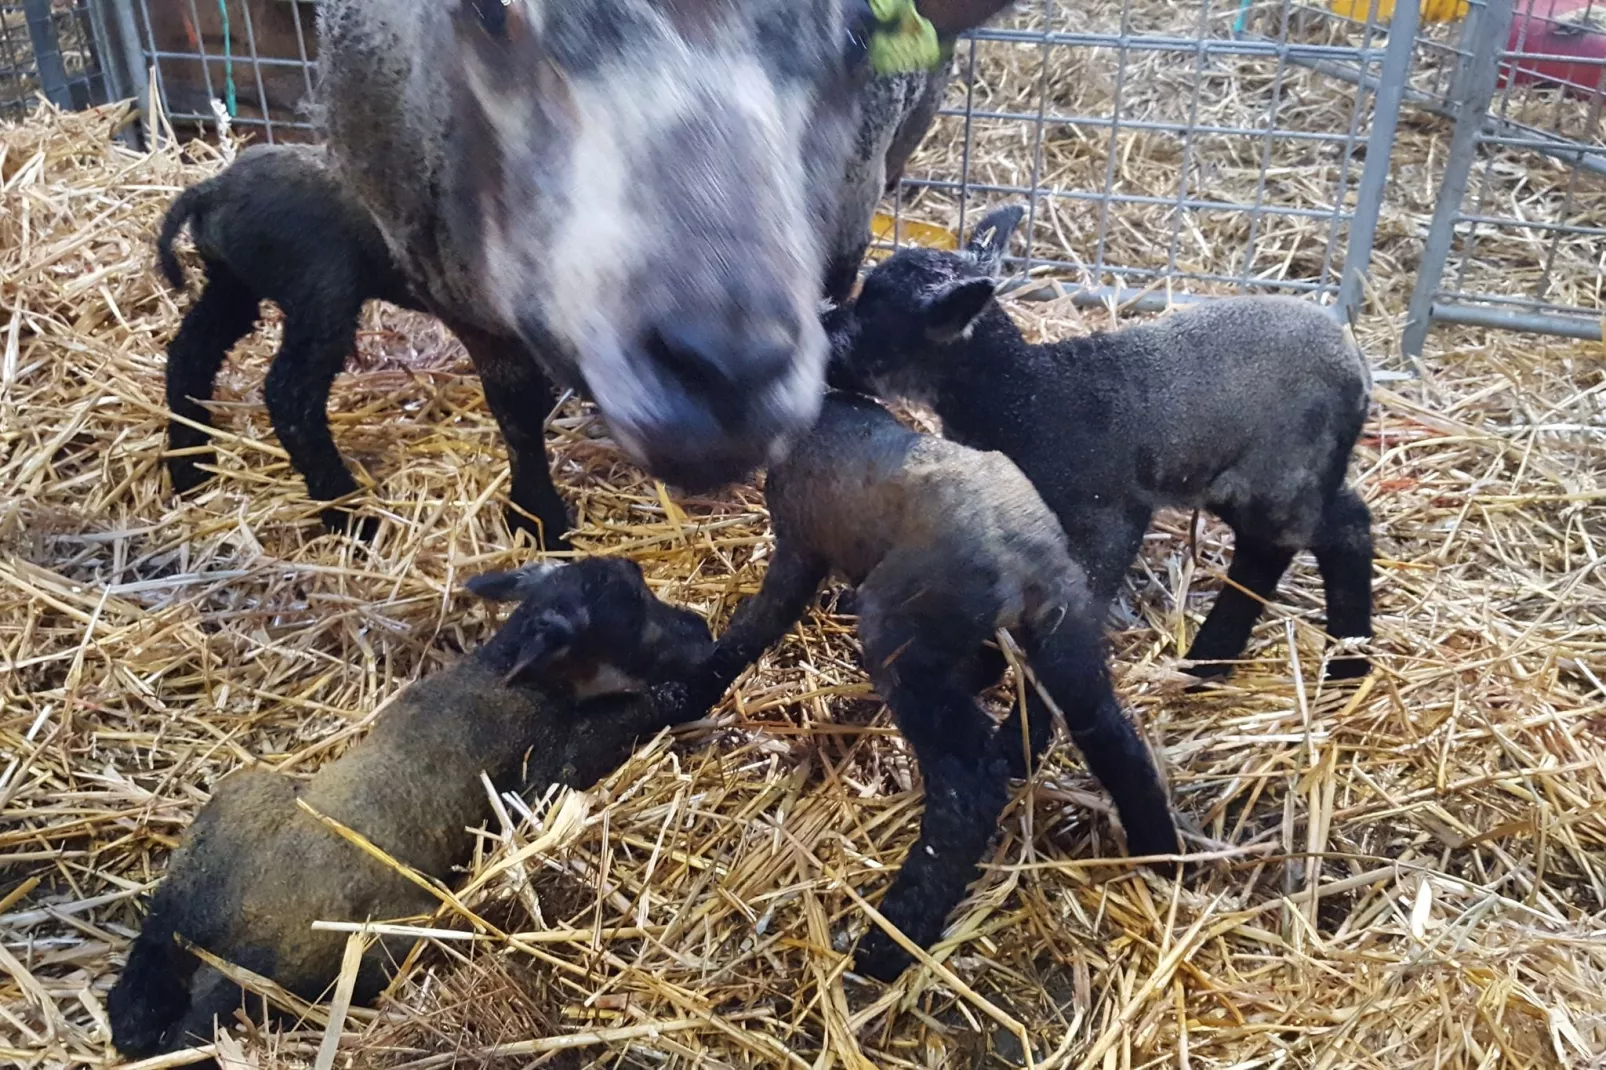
[514,586]
[950,311]
[989,241]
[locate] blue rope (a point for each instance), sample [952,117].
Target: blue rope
[228,60]
[1243,17]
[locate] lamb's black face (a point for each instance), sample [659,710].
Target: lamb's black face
[593,625]
[889,341]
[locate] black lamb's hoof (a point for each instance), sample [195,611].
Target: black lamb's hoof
[880,957]
[344,522]
[549,539]
[1157,838]
[186,473]
[842,602]
[1207,673]
[1351,667]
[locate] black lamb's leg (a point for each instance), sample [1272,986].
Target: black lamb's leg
[922,666]
[223,314]
[1343,549]
[320,332]
[789,583]
[1257,566]
[1070,663]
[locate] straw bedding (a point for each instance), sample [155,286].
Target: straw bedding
[1404,873]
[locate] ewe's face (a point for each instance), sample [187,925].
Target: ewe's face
[654,179]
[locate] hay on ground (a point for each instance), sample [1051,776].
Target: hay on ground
[1409,872]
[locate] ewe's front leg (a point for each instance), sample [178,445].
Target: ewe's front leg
[521,398]
[965,773]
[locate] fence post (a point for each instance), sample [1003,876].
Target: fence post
[47,53]
[1475,83]
[1389,97]
[123,63]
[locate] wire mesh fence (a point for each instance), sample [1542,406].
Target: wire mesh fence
[1169,151]
[1165,151]
[254,57]
[48,49]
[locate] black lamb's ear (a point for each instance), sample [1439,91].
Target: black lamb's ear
[511,586]
[989,240]
[546,638]
[951,310]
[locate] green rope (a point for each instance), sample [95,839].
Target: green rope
[906,39]
[228,60]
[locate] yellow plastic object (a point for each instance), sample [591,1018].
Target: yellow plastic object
[912,231]
[1432,10]
[905,41]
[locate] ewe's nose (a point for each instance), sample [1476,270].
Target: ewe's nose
[727,361]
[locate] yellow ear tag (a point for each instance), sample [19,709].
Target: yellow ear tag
[905,40]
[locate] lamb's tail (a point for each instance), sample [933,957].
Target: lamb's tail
[153,994]
[179,212]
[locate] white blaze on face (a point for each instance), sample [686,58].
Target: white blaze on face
[621,222]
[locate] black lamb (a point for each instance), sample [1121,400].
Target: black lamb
[274,225]
[1248,407]
[589,662]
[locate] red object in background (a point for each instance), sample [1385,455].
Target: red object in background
[1558,28]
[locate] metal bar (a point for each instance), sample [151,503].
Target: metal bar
[1527,322]
[1527,304]
[1344,166]
[1125,298]
[47,61]
[1115,145]
[1479,82]
[1272,111]
[1179,213]
[964,157]
[1160,126]
[1303,286]
[126,75]
[266,61]
[1532,224]
[1247,46]
[1379,151]
[1129,198]
[256,69]
[1566,210]
[113,80]
[1038,129]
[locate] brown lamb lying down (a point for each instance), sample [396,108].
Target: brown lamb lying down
[588,663]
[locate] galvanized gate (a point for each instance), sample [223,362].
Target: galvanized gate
[1523,111]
